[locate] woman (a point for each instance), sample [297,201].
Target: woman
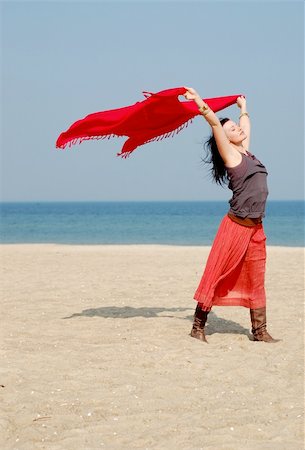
[235,270]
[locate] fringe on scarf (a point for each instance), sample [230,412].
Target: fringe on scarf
[157,138]
[87,138]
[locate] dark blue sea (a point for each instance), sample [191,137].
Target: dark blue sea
[174,223]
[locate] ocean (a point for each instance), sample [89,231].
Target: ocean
[172,223]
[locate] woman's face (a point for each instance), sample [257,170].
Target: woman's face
[234,133]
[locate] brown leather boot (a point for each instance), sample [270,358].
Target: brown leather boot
[259,326]
[200,318]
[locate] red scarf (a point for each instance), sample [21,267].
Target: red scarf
[159,116]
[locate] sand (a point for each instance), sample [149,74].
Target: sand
[96,353]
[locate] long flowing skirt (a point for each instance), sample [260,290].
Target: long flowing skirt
[234,274]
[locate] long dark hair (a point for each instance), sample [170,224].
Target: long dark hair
[218,170]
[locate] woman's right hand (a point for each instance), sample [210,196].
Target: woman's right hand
[191,94]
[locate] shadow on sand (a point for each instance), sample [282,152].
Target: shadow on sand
[215,324]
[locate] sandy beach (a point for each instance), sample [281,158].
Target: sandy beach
[96,353]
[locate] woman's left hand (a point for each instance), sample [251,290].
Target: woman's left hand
[241,101]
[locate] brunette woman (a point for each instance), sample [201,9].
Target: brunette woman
[234,274]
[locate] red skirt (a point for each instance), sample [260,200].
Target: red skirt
[234,274]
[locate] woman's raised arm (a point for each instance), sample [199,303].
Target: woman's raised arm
[205,110]
[223,143]
[244,120]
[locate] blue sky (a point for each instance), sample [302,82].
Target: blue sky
[64,60]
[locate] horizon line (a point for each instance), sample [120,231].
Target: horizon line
[137,201]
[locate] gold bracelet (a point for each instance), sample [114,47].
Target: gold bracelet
[244,114]
[204,110]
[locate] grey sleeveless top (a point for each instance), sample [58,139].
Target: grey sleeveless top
[248,181]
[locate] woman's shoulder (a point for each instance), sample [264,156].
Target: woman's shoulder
[236,159]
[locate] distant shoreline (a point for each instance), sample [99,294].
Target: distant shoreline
[116,246]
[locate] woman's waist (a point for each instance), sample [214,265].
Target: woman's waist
[247,221]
